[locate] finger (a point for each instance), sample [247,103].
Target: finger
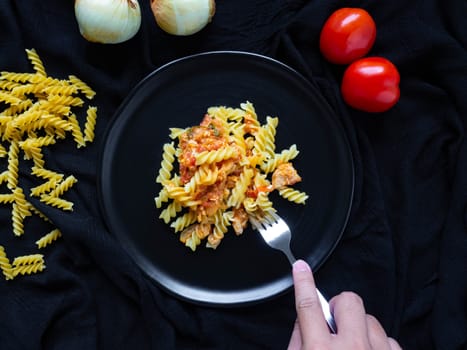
[350,316]
[313,326]
[394,344]
[295,342]
[376,334]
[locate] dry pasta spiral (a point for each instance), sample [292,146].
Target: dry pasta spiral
[90,124]
[28,259]
[37,111]
[36,62]
[5,264]
[48,238]
[28,269]
[18,220]
[63,186]
[56,202]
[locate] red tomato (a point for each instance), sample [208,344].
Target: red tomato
[348,34]
[371,84]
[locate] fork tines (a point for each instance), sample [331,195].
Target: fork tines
[269,218]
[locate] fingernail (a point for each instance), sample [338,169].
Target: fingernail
[301,266]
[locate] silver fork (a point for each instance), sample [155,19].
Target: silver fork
[276,233]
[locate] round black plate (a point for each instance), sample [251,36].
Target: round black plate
[242,269]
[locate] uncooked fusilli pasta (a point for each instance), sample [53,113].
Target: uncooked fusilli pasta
[48,238]
[37,111]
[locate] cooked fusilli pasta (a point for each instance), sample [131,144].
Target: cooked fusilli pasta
[293,195]
[168,158]
[222,179]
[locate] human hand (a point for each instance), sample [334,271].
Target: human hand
[356,330]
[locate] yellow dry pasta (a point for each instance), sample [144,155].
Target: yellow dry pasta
[3,151]
[9,98]
[90,124]
[28,269]
[33,151]
[17,220]
[36,61]
[16,77]
[21,202]
[13,165]
[4,176]
[56,202]
[36,211]
[63,186]
[46,173]
[7,198]
[76,131]
[8,85]
[5,264]
[36,112]
[49,238]
[82,86]
[44,187]
[222,176]
[28,259]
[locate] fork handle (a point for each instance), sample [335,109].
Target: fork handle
[327,312]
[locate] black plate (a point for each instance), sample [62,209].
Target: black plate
[242,269]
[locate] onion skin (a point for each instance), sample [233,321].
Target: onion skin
[183,17]
[108,21]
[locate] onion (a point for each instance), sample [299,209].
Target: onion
[108,21]
[183,17]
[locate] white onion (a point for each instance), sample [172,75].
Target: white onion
[183,17]
[108,21]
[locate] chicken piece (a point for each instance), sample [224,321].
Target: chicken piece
[285,175]
[239,220]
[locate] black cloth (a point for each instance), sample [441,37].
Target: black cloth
[404,249]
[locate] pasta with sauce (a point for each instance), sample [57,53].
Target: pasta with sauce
[222,179]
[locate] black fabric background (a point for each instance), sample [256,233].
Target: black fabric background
[404,250]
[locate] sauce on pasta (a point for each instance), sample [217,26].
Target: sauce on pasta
[227,166]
